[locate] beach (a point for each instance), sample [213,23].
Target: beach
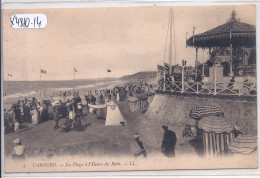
[18,90]
[95,138]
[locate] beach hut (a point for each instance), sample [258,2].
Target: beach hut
[143,100]
[134,104]
[150,96]
[217,135]
[114,116]
[243,144]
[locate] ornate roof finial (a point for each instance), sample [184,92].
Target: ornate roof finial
[233,16]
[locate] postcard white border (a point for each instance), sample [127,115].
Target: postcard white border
[27,4]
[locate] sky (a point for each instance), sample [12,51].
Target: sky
[125,40]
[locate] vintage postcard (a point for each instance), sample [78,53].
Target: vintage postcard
[129,88]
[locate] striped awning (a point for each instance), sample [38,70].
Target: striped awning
[200,111]
[215,124]
[132,99]
[244,144]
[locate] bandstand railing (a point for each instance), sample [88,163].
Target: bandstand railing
[208,88]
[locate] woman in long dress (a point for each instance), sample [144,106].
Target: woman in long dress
[71,111]
[35,117]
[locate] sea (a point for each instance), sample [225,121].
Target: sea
[14,90]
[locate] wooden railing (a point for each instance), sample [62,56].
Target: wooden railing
[231,88]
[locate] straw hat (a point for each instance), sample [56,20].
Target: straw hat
[135,135]
[17,141]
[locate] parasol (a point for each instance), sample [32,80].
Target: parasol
[244,144]
[132,99]
[97,106]
[148,93]
[215,124]
[142,96]
[200,111]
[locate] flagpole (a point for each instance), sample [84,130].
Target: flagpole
[41,85]
[74,79]
[6,84]
[174,37]
[170,49]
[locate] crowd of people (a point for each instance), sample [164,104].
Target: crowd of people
[68,110]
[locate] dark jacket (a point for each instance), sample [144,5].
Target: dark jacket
[169,140]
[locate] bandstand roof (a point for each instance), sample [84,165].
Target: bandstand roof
[235,31]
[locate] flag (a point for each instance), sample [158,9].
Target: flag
[43,71]
[108,70]
[184,63]
[75,70]
[10,75]
[186,39]
[194,28]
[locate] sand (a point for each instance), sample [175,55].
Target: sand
[97,139]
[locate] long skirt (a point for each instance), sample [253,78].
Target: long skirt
[16,126]
[71,114]
[35,118]
[91,110]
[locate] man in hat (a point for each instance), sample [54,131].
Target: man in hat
[169,142]
[18,152]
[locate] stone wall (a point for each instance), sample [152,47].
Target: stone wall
[174,110]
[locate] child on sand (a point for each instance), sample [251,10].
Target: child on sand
[18,152]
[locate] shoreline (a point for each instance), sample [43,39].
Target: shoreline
[8,101]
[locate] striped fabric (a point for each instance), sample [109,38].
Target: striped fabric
[132,99]
[136,149]
[200,111]
[216,144]
[215,124]
[244,144]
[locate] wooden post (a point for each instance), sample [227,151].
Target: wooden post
[231,56]
[209,51]
[182,79]
[164,80]
[215,79]
[196,62]
[197,84]
[203,62]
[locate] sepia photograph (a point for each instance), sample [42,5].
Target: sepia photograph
[129,88]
